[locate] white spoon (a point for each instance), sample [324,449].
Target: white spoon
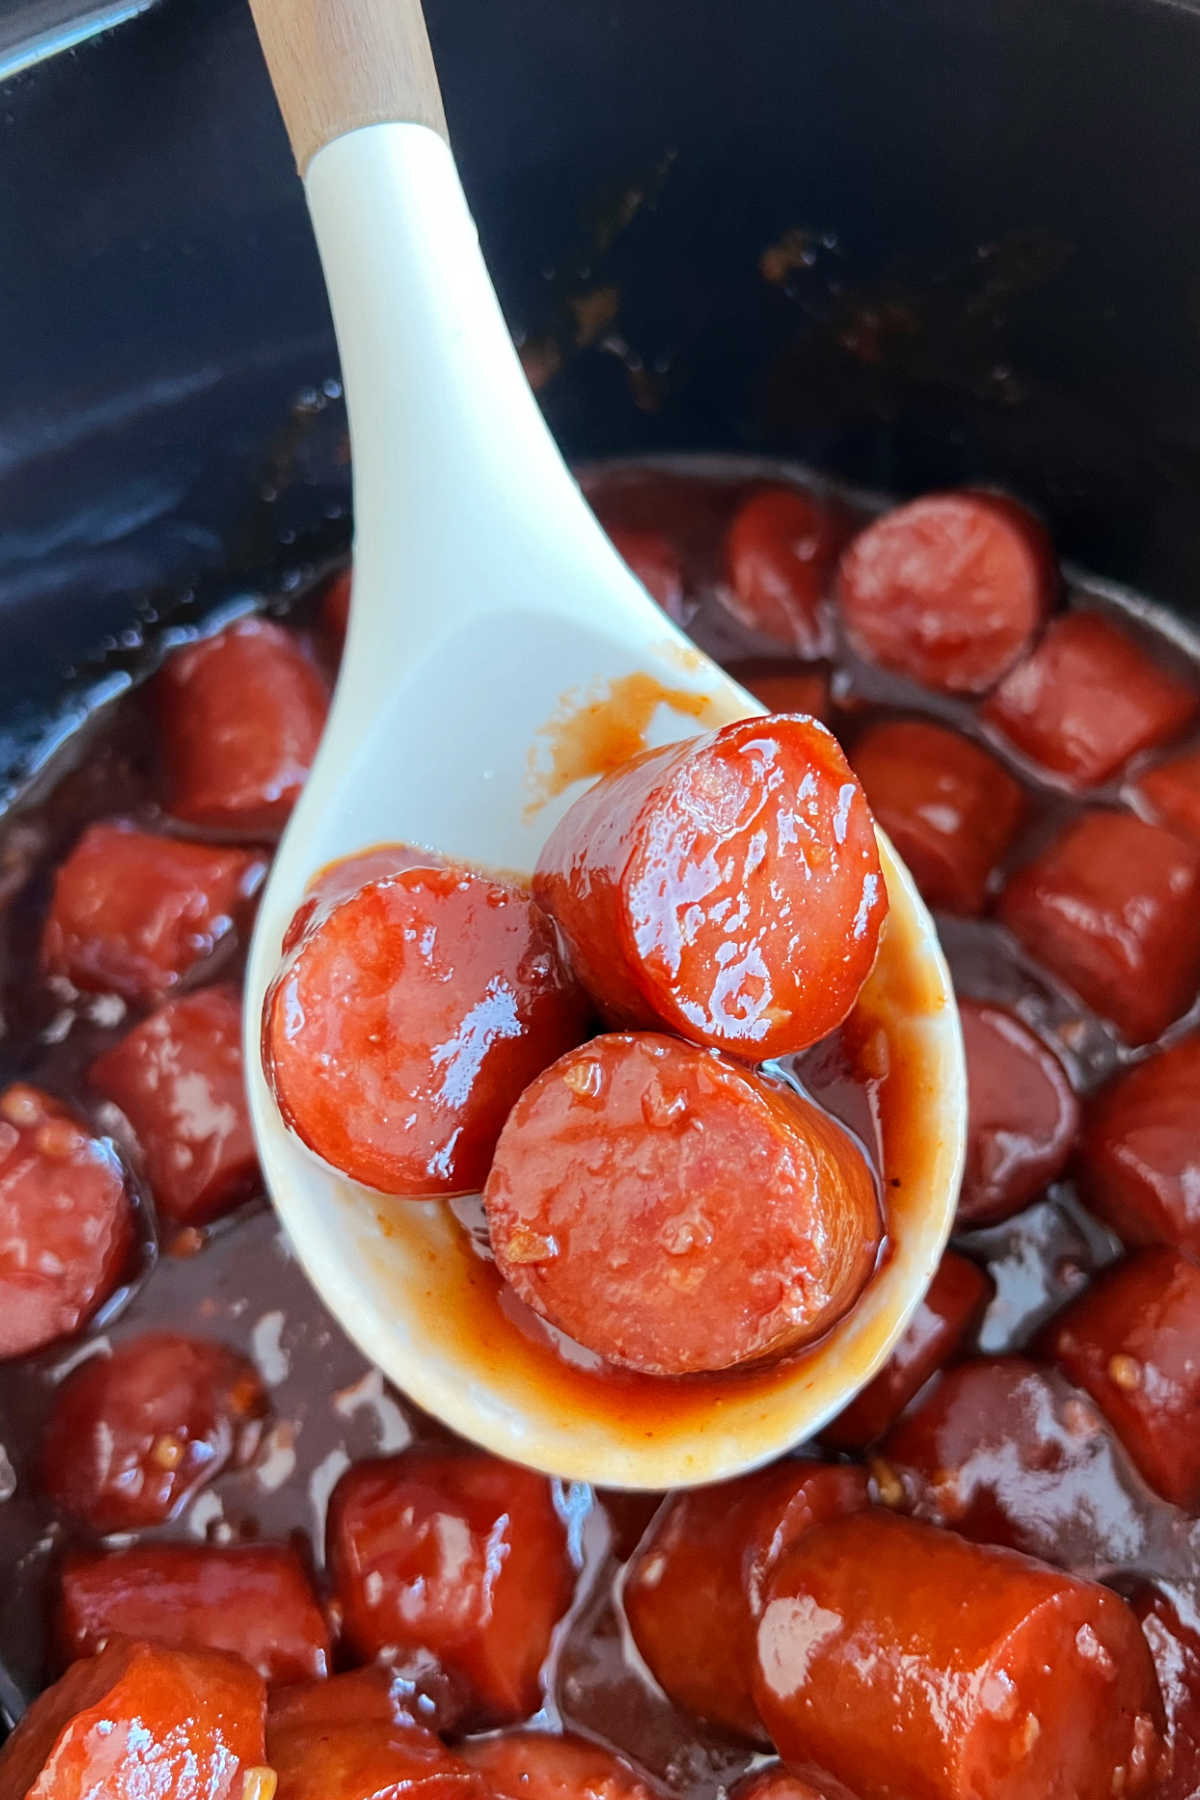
[486,602]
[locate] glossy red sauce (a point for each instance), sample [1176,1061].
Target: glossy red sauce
[235,1282]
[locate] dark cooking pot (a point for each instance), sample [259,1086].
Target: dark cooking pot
[912,241]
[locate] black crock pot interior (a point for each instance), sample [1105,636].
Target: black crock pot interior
[984,215]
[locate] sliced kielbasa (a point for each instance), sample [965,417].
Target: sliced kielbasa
[781,552]
[1112,907]
[240,715]
[949,807]
[134,1434]
[694,1588]
[339,880]
[413,1690]
[368,1760]
[937,1331]
[1023,1116]
[950,589]
[254,1600]
[657,564]
[1132,1341]
[728,888]
[134,913]
[1139,1164]
[534,1765]
[1171,793]
[901,1659]
[1008,1452]
[67,1230]
[179,1079]
[137,1721]
[458,1554]
[776,1782]
[675,1212]
[784,687]
[407,1019]
[359,1697]
[1175,1647]
[1087,699]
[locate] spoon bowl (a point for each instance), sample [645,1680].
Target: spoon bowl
[490,617]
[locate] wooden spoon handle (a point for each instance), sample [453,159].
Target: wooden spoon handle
[339,64]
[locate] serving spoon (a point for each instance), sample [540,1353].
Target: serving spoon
[492,620]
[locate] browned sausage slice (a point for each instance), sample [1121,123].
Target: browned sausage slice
[408,1017]
[535,1765]
[1023,1117]
[903,1660]
[138,1721]
[675,1212]
[949,589]
[67,1228]
[255,1600]
[727,888]
[694,1589]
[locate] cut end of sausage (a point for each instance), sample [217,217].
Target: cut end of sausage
[407,1020]
[676,1213]
[139,1719]
[67,1221]
[1023,1116]
[949,590]
[728,888]
[781,553]
[533,1765]
[904,1660]
[241,715]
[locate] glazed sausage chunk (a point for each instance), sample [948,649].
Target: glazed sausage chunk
[949,807]
[413,1690]
[901,1659]
[694,1588]
[727,888]
[1140,1156]
[1023,1117]
[654,560]
[66,1226]
[255,1601]
[532,1765]
[784,687]
[139,1722]
[407,1019]
[676,1212]
[340,880]
[367,1760]
[179,1079]
[241,715]
[133,1435]
[1175,1648]
[458,1554]
[134,913]
[781,553]
[1112,907]
[1007,1451]
[1088,699]
[1171,793]
[1133,1342]
[775,1782]
[949,590]
[938,1329]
